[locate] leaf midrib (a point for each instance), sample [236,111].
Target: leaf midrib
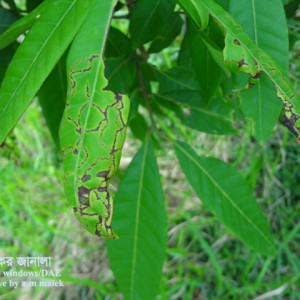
[254,22]
[180,83]
[119,66]
[90,101]
[225,194]
[136,227]
[147,21]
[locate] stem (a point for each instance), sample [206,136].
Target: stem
[143,87]
[130,4]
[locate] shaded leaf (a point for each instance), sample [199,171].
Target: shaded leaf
[214,118]
[121,73]
[146,15]
[6,57]
[167,33]
[213,38]
[139,127]
[118,44]
[7,17]
[208,71]
[32,4]
[134,104]
[137,257]
[224,191]
[184,57]
[52,98]
[177,78]
[20,26]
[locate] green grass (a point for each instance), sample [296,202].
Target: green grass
[205,262]
[37,221]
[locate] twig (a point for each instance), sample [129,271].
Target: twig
[143,87]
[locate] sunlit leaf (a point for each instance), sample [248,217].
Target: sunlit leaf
[36,57]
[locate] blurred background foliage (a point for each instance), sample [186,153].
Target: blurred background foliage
[203,261]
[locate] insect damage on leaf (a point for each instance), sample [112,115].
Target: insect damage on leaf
[241,60]
[93,131]
[243,55]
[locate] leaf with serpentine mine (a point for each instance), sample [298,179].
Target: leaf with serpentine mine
[93,128]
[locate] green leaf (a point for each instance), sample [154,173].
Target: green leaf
[223,3]
[6,19]
[198,13]
[146,15]
[215,51]
[6,57]
[214,118]
[208,71]
[139,127]
[167,33]
[118,44]
[120,73]
[261,106]
[137,257]
[93,127]
[36,57]
[134,104]
[247,57]
[32,4]
[184,57]
[201,114]
[177,78]
[212,39]
[52,98]
[222,189]
[20,26]
[260,103]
